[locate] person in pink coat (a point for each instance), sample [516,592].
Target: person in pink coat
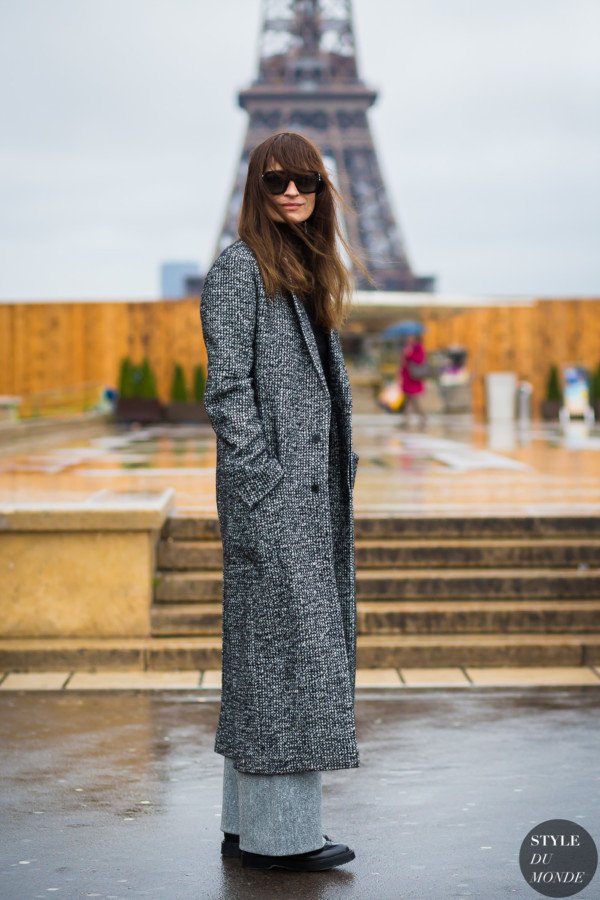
[412,387]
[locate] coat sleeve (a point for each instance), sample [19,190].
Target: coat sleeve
[228,318]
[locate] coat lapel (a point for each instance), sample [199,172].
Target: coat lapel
[309,337]
[338,369]
[336,356]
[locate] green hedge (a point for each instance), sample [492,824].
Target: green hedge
[140,381]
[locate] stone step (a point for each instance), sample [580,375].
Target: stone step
[373,651]
[470,552]
[492,616]
[477,525]
[142,653]
[477,650]
[186,618]
[408,584]
[199,554]
[478,584]
[414,617]
[188,527]
[415,553]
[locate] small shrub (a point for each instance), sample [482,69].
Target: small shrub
[179,392]
[126,378]
[595,385]
[147,382]
[553,388]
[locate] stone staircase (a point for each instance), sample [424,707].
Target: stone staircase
[431,591]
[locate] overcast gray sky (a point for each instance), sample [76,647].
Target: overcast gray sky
[121,134]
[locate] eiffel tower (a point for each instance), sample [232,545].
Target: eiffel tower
[308,82]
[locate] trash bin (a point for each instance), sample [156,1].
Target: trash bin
[500,395]
[524,393]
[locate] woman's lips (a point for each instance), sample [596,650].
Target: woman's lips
[291,205]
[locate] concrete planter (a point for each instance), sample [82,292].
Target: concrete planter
[81,570]
[549,410]
[186,412]
[139,409]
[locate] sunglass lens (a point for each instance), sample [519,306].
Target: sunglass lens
[275,182]
[307,184]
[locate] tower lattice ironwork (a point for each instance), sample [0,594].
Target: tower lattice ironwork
[308,82]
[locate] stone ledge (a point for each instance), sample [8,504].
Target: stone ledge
[105,510]
[80,569]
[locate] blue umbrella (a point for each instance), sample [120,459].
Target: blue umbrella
[400,329]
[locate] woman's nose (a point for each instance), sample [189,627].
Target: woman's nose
[291,189]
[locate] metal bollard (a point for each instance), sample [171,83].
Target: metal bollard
[524,395]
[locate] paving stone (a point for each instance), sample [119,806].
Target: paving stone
[379,677]
[133,680]
[211,678]
[34,681]
[441,675]
[533,675]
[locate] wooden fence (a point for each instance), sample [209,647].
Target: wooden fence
[50,349]
[521,339]
[46,348]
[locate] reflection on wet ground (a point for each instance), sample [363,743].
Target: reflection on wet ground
[118,795]
[452,464]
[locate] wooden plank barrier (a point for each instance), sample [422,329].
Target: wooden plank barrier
[58,348]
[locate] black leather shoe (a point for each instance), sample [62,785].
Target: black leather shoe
[230,845]
[326,857]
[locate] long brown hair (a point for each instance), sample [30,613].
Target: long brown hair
[310,264]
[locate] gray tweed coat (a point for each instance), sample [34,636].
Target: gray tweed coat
[284,481]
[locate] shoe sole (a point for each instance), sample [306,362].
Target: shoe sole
[307,865]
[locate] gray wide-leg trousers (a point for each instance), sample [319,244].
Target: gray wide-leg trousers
[274,815]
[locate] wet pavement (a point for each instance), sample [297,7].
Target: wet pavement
[454,464]
[118,794]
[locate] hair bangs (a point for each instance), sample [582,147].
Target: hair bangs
[293,153]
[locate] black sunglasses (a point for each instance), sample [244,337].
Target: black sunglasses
[276,181]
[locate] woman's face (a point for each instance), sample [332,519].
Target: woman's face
[298,207]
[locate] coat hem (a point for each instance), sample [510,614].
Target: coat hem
[289,767]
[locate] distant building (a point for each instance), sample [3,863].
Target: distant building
[193,285]
[174,277]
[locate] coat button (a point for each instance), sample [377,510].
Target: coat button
[314,487]
[316,438]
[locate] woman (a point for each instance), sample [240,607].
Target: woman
[279,400]
[413,352]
